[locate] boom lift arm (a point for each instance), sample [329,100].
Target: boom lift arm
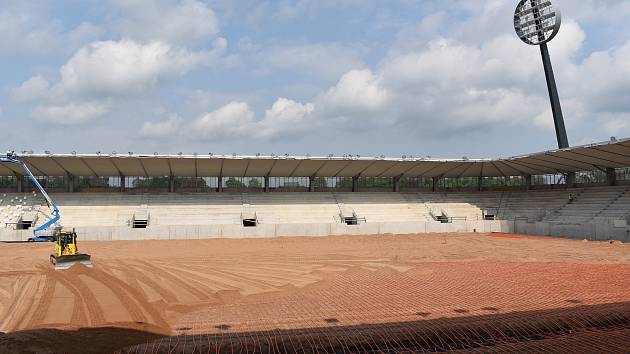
[41,233]
[66,252]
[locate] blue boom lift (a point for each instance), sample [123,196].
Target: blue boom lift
[66,251]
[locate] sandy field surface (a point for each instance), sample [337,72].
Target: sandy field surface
[466,292]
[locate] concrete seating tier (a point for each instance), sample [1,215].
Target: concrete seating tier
[13,206]
[469,205]
[619,209]
[383,207]
[532,205]
[118,209]
[589,204]
[294,208]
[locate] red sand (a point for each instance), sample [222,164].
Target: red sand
[361,293]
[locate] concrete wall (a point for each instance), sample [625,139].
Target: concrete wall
[591,231]
[271,230]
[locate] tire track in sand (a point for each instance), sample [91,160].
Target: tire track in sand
[162,272]
[47,296]
[17,310]
[92,313]
[217,277]
[134,301]
[136,277]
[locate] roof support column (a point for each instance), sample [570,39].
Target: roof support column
[122,183]
[355,184]
[570,180]
[611,176]
[396,184]
[311,184]
[220,184]
[436,181]
[480,183]
[528,182]
[19,183]
[70,183]
[266,184]
[171,184]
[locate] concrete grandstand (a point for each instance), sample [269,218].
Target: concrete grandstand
[582,192]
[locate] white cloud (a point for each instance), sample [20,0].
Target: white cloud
[603,80]
[443,77]
[168,127]
[237,120]
[106,72]
[116,68]
[70,114]
[180,21]
[233,120]
[32,89]
[568,42]
[617,125]
[35,37]
[588,10]
[26,30]
[448,86]
[415,36]
[122,68]
[314,60]
[543,120]
[285,116]
[357,92]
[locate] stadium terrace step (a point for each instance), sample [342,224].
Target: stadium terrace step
[117,209]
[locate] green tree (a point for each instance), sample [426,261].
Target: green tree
[254,183]
[376,182]
[344,183]
[190,183]
[320,182]
[151,182]
[233,183]
[7,182]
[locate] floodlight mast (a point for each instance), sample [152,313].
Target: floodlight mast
[546,23]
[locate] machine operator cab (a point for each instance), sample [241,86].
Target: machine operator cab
[67,253]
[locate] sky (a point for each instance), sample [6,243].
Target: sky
[439,78]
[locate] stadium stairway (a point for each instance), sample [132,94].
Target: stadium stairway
[533,205]
[587,205]
[617,209]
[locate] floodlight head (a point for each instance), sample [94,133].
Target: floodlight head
[536,21]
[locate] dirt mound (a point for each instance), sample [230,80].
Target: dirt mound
[79,341]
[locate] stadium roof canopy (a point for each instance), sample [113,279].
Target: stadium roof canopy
[600,156]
